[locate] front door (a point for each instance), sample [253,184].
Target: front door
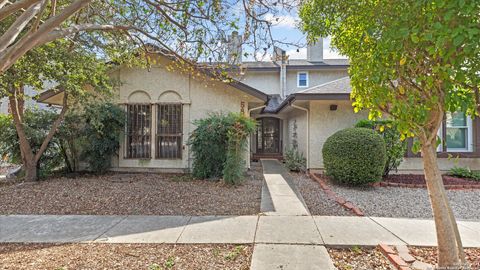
[268,135]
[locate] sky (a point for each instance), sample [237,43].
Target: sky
[285,29]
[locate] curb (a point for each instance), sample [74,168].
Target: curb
[338,199]
[393,257]
[404,185]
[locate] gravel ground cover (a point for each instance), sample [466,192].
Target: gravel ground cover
[124,256]
[420,179]
[317,201]
[133,194]
[407,202]
[359,259]
[429,255]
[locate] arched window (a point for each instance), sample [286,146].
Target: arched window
[139,126]
[169,141]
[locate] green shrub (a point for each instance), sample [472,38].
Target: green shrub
[218,145]
[237,135]
[92,134]
[294,160]
[395,147]
[354,156]
[209,143]
[464,173]
[104,123]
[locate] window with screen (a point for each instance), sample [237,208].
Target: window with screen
[302,79]
[169,131]
[138,131]
[458,132]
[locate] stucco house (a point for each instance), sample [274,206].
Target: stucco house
[301,101]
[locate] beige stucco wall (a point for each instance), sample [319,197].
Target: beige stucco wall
[324,123]
[198,96]
[300,117]
[315,77]
[265,81]
[269,81]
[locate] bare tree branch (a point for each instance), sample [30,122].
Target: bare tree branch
[6,11]
[17,27]
[54,128]
[9,56]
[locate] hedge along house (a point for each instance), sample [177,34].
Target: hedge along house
[295,101]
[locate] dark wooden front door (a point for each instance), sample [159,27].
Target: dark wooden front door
[268,135]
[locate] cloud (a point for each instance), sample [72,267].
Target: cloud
[301,54]
[261,56]
[329,52]
[284,21]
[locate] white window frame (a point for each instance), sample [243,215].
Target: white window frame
[298,79]
[469,148]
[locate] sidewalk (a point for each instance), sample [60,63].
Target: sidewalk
[320,230]
[285,235]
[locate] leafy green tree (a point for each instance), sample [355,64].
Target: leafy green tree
[74,70]
[37,124]
[414,60]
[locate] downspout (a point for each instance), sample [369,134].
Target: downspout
[308,132]
[250,137]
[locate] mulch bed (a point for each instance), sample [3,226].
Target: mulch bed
[124,256]
[132,194]
[359,258]
[429,255]
[419,179]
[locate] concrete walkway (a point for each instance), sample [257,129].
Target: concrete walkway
[279,195]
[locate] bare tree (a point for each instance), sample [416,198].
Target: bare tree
[193,30]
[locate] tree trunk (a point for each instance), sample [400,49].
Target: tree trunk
[31,170]
[448,246]
[29,158]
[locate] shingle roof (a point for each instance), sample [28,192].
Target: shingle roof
[297,63]
[340,86]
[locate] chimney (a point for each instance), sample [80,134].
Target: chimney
[234,48]
[279,55]
[315,51]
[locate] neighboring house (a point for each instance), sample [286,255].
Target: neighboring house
[299,102]
[30,101]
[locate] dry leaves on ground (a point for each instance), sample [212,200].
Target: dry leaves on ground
[132,194]
[429,255]
[357,258]
[124,256]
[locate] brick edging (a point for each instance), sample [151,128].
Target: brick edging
[393,257]
[332,195]
[405,185]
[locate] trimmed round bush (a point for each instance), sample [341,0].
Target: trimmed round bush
[355,156]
